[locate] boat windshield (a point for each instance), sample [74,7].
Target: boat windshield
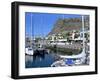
[30,49]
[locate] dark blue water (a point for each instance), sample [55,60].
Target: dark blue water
[44,60]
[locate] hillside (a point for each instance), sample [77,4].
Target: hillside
[69,24]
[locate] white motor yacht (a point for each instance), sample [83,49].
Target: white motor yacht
[29,51]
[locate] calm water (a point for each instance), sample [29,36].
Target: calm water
[44,60]
[41,60]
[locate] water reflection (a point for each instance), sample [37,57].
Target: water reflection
[39,55]
[40,59]
[47,58]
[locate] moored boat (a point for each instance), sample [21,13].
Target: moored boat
[29,51]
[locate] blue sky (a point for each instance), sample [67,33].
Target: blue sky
[42,23]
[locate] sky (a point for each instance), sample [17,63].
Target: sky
[42,23]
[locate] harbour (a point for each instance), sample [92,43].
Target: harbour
[56,48]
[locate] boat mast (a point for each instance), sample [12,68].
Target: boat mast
[83,33]
[42,35]
[43,30]
[31,30]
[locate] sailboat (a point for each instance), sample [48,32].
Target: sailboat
[29,50]
[80,58]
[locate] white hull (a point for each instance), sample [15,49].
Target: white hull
[81,55]
[80,58]
[29,51]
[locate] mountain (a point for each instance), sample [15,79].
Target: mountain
[69,24]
